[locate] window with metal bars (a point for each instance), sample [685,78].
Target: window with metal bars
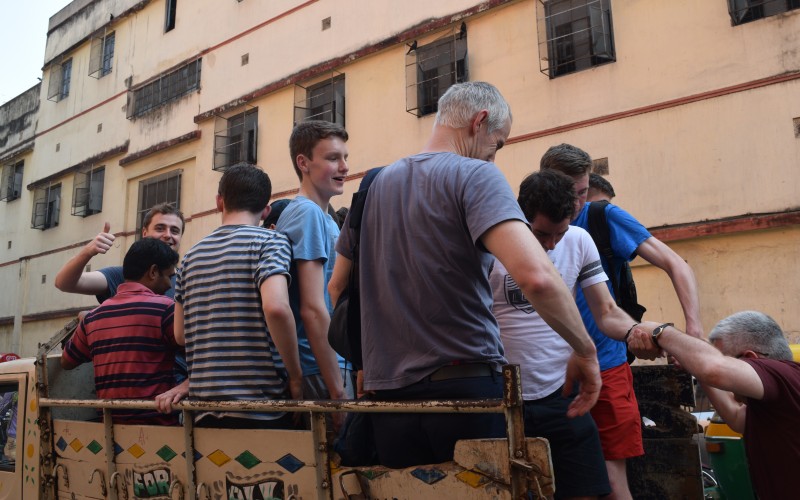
[321,101]
[46,206]
[745,11]
[87,195]
[236,139]
[11,183]
[60,79]
[101,58]
[432,68]
[165,88]
[574,35]
[164,188]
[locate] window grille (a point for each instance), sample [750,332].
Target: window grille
[165,88]
[431,69]
[101,58]
[321,101]
[46,207]
[11,183]
[164,188]
[236,139]
[574,35]
[60,79]
[87,196]
[744,11]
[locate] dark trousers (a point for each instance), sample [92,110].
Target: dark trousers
[408,439]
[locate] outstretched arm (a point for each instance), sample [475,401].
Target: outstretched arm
[683,280]
[516,248]
[612,321]
[703,360]
[72,278]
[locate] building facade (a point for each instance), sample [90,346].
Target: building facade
[689,108]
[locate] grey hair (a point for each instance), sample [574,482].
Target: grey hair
[463,100]
[567,159]
[752,331]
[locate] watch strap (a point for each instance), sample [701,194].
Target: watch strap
[657,332]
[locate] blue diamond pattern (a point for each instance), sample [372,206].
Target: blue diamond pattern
[428,476]
[62,445]
[117,449]
[197,455]
[290,463]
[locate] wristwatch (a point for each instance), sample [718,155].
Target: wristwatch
[658,331]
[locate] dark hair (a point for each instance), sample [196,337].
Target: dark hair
[307,134]
[245,187]
[163,209]
[549,193]
[143,254]
[277,208]
[601,184]
[567,159]
[341,215]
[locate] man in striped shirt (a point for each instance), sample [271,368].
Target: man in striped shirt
[130,338]
[232,309]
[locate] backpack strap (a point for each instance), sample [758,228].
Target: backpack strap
[600,233]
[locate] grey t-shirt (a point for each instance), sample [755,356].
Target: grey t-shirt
[425,295]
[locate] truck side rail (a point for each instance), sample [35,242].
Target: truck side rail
[523,472]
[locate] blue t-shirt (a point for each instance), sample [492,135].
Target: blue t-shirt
[313,235]
[625,234]
[114,278]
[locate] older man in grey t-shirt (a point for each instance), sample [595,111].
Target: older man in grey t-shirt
[431,223]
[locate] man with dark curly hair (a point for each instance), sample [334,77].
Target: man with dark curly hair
[548,199]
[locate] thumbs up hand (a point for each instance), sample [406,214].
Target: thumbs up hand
[102,242]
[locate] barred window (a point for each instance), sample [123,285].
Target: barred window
[87,196]
[574,35]
[165,88]
[46,206]
[744,11]
[60,79]
[164,188]
[236,139]
[321,101]
[431,69]
[101,58]
[11,183]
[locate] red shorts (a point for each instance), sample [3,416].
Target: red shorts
[617,415]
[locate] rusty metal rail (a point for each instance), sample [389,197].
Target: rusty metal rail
[327,406]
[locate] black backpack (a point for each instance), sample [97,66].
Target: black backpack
[621,278]
[344,332]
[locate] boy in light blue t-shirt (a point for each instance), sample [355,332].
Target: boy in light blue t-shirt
[319,155]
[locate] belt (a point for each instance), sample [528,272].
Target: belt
[465,370]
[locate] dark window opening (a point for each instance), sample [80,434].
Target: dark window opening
[11,183]
[165,88]
[236,139]
[46,207]
[87,197]
[169,16]
[575,35]
[321,101]
[745,11]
